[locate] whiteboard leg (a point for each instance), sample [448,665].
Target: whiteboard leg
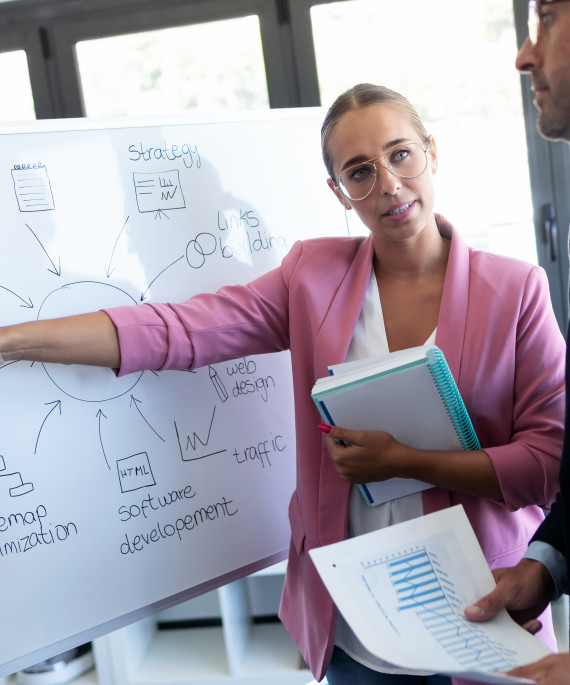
[236,622]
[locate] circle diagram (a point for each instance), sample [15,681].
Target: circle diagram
[86,383]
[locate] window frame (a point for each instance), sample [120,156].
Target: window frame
[49,31]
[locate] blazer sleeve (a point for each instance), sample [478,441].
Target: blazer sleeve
[527,467]
[555,528]
[210,327]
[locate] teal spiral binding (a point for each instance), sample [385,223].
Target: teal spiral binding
[447,388]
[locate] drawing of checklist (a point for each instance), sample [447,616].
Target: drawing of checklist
[158,191]
[33,189]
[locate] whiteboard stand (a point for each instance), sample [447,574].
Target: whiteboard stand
[240,651]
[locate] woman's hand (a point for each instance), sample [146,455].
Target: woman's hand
[365,455]
[368,456]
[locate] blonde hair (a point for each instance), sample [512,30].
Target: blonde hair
[358,97]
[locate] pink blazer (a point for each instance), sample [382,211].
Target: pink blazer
[503,345]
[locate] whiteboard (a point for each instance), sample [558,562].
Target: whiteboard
[120,497]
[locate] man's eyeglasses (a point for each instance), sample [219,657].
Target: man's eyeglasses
[406,161]
[535,17]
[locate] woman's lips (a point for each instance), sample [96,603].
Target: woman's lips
[400,211]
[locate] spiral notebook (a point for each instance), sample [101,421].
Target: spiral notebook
[410,394]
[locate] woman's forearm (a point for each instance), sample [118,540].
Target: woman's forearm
[89,339]
[364,456]
[468,471]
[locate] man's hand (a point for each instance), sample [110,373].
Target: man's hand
[552,670]
[524,590]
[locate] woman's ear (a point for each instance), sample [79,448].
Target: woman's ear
[432,154]
[339,196]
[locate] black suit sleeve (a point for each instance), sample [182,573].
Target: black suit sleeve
[553,529]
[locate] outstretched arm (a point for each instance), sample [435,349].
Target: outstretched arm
[89,339]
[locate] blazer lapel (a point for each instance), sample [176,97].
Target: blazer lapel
[331,346]
[450,334]
[452,318]
[333,340]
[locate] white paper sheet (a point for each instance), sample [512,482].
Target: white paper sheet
[403,590]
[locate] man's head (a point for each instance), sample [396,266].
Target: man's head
[545,55]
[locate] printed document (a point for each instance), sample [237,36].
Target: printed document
[403,589]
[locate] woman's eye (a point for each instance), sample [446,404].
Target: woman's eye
[400,155]
[359,173]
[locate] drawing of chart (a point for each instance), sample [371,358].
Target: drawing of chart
[422,587]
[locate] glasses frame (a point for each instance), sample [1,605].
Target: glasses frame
[534,17]
[337,185]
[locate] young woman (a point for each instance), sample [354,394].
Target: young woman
[411,281]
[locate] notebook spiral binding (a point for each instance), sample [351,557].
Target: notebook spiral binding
[452,400]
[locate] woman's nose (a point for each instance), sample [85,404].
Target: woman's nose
[387,182]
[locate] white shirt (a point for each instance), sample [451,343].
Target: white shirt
[369,340]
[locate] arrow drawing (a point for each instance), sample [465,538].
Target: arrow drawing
[108,270]
[56,269]
[99,415]
[28,304]
[137,402]
[56,405]
[143,295]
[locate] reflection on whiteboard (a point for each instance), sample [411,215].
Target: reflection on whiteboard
[403,590]
[122,496]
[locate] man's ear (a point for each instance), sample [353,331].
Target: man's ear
[339,196]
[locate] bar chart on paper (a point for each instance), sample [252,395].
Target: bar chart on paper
[403,590]
[423,588]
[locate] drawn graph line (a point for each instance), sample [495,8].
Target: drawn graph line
[421,586]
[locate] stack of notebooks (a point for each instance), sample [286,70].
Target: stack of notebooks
[410,394]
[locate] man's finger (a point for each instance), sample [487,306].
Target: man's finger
[532,626]
[486,607]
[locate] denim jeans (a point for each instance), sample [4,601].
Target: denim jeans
[344,670]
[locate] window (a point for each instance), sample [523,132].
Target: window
[211,67]
[17,103]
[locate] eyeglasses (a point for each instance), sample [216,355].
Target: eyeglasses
[405,161]
[535,17]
